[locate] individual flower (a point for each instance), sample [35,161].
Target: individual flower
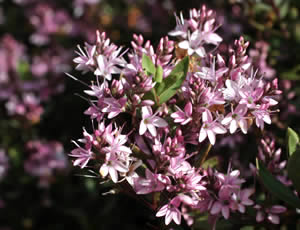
[152,183]
[150,121]
[183,117]
[210,128]
[237,119]
[270,213]
[112,166]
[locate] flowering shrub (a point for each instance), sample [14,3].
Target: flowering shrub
[157,114]
[158,111]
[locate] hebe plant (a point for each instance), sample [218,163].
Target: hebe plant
[157,112]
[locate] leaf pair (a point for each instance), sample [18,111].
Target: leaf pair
[165,88]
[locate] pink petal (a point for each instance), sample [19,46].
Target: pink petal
[225,212]
[162,211]
[168,217]
[277,209]
[216,208]
[188,108]
[159,122]
[260,216]
[219,129]
[273,219]
[177,217]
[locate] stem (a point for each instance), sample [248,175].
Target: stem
[203,156]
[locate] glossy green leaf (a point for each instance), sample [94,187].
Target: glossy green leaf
[148,65]
[293,169]
[292,141]
[275,187]
[169,86]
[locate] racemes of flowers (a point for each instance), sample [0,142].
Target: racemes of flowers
[158,111]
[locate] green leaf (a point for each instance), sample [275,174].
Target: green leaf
[211,162]
[169,86]
[284,9]
[278,189]
[23,69]
[293,169]
[159,74]
[292,141]
[148,65]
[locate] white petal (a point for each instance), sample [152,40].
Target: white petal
[104,170]
[233,126]
[152,129]
[267,119]
[243,125]
[211,137]
[146,111]
[202,135]
[113,174]
[226,120]
[143,128]
[201,52]
[184,44]
[162,211]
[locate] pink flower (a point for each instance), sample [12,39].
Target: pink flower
[210,73]
[114,107]
[236,119]
[271,213]
[193,44]
[262,115]
[83,156]
[183,117]
[210,128]
[152,183]
[86,59]
[150,121]
[242,199]
[171,210]
[112,166]
[224,203]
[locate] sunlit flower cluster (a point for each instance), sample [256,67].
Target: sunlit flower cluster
[159,110]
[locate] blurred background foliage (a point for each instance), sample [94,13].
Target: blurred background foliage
[40,112]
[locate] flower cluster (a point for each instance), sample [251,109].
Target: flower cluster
[44,160]
[160,109]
